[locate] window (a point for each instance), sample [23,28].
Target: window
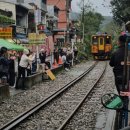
[44,1]
[101,41]
[108,40]
[95,40]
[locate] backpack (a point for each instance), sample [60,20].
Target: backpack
[3,68]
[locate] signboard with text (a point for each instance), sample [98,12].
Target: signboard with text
[36,38]
[5,32]
[20,30]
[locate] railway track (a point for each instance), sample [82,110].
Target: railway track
[87,97]
[23,116]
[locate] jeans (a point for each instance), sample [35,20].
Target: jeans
[21,73]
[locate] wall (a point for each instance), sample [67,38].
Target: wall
[21,16]
[62,12]
[9,7]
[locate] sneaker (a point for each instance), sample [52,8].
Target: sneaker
[66,69]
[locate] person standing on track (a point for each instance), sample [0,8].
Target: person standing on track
[116,59]
[25,60]
[4,64]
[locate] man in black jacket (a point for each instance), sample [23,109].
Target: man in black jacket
[115,62]
[4,63]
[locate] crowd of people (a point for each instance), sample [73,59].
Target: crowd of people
[28,64]
[68,56]
[8,67]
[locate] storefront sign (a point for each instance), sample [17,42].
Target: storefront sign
[5,32]
[20,30]
[36,38]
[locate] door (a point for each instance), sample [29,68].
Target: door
[101,44]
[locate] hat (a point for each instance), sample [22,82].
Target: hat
[26,51]
[42,50]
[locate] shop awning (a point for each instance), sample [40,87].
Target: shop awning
[10,46]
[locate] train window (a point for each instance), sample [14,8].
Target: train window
[107,40]
[94,40]
[101,41]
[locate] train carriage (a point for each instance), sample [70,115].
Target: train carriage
[101,46]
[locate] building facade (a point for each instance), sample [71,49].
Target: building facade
[8,8]
[63,21]
[19,14]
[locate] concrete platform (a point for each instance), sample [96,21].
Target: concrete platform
[34,79]
[37,78]
[6,91]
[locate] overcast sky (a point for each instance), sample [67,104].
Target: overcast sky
[98,5]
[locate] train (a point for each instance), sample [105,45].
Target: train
[101,46]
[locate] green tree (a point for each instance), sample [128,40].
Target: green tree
[92,21]
[114,30]
[121,10]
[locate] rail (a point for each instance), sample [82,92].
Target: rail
[78,106]
[43,103]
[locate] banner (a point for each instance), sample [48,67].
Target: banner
[5,32]
[36,38]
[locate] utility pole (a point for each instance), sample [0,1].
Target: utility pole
[67,19]
[83,21]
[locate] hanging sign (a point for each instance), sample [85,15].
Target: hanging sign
[5,32]
[36,38]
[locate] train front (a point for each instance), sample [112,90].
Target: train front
[101,46]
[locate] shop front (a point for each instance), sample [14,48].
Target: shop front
[38,40]
[19,34]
